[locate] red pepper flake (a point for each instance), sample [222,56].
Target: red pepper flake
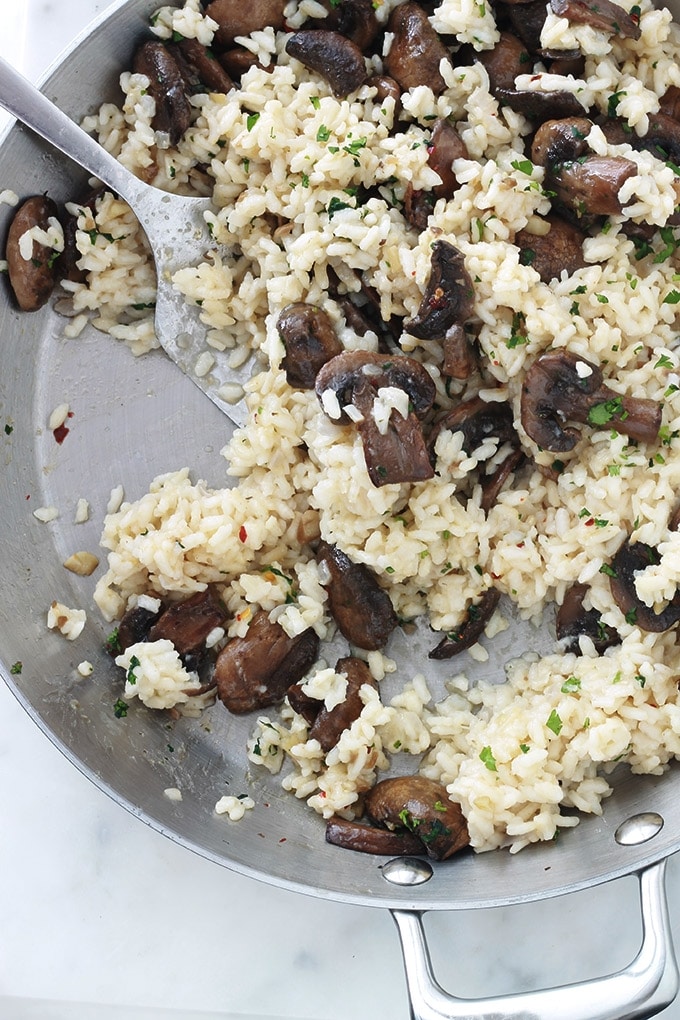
[61,431]
[242,534]
[520,545]
[283,839]
[590,523]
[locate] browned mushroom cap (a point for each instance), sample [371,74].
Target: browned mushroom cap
[355,19]
[471,629]
[308,335]
[560,141]
[188,623]
[133,628]
[167,87]
[445,146]
[33,279]
[591,186]
[237,60]
[602,14]
[234,17]
[573,620]
[448,298]
[333,56]
[386,88]
[627,561]
[553,392]
[329,725]
[422,806]
[397,454]
[527,21]
[560,248]
[505,61]
[362,610]
[459,357]
[256,670]
[199,67]
[369,839]
[416,51]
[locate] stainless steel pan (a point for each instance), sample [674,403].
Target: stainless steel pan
[133,419]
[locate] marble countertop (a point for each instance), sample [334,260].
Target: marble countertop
[104,918]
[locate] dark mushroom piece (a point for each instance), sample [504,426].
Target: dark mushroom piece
[445,146]
[418,206]
[399,453]
[386,88]
[256,670]
[32,279]
[199,67]
[560,141]
[417,51]
[189,623]
[662,137]
[553,392]
[508,58]
[234,17]
[237,60]
[329,724]
[422,806]
[526,21]
[362,610]
[310,340]
[167,87]
[560,248]
[354,19]
[627,561]
[369,839]
[493,483]
[600,14]
[134,627]
[448,298]
[333,56]
[670,102]
[471,629]
[573,621]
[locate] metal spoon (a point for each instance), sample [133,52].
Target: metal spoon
[175,226]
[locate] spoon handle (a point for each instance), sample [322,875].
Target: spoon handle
[25,102]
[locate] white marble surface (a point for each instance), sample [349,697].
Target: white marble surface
[104,919]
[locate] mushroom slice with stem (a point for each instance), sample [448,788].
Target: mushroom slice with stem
[600,14]
[387,397]
[448,298]
[468,634]
[33,277]
[310,340]
[236,18]
[332,55]
[362,610]
[627,561]
[422,806]
[256,670]
[167,88]
[329,724]
[369,839]
[573,621]
[188,624]
[416,52]
[445,146]
[560,387]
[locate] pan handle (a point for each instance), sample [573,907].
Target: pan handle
[643,989]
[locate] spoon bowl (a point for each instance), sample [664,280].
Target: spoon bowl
[176,228]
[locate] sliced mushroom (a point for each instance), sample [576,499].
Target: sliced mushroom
[237,60]
[395,451]
[32,279]
[134,627]
[362,610]
[189,623]
[560,141]
[493,483]
[369,839]
[167,87]
[591,186]
[310,340]
[560,387]
[422,806]
[600,14]
[234,17]
[560,248]
[418,206]
[662,137]
[355,19]
[527,21]
[477,615]
[573,621]
[445,146]
[627,561]
[448,298]
[386,88]
[417,51]
[199,67]
[507,59]
[333,56]
[329,724]
[459,357]
[256,670]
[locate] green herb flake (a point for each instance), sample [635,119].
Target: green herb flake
[609,571]
[251,120]
[486,756]
[323,134]
[334,206]
[664,362]
[639,679]
[602,414]
[524,748]
[9,429]
[120,709]
[408,821]
[130,675]
[571,685]
[315,101]
[112,644]
[16,668]
[671,298]
[525,166]
[554,723]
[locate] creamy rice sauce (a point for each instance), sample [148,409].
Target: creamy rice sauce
[285,161]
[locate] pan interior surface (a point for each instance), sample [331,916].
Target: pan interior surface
[133,419]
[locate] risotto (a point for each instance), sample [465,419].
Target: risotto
[315,198]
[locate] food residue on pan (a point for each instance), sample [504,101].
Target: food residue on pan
[450,233]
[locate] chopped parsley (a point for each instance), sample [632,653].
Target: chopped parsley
[554,723]
[571,685]
[120,708]
[602,414]
[486,756]
[252,120]
[16,668]
[130,676]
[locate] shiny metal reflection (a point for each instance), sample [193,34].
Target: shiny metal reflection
[407,871]
[639,828]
